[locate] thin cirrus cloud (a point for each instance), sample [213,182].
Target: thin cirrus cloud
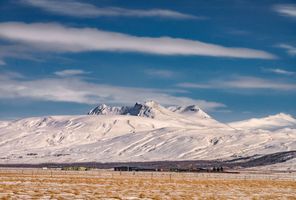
[77,90]
[20,51]
[279,71]
[2,62]
[288,10]
[86,10]
[70,72]
[58,38]
[160,73]
[242,82]
[291,50]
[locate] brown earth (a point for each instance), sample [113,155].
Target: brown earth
[103,184]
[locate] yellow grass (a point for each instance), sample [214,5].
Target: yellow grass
[16,184]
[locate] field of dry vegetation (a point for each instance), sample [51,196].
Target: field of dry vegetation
[47,184]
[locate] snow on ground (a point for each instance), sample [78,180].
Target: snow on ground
[149,133]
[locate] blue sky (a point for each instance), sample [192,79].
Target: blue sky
[236,59]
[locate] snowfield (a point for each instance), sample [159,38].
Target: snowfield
[145,132]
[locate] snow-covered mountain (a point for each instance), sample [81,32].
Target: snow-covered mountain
[149,109]
[191,114]
[143,132]
[272,122]
[104,109]
[192,110]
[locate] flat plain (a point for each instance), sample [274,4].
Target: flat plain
[105,184]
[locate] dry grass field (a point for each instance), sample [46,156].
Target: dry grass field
[47,184]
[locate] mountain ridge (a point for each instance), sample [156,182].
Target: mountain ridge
[277,121]
[150,133]
[146,109]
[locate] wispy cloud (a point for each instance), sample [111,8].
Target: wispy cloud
[2,62]
[70,72]
[75,89]
[161,73]
[19,51]
[242,82]
[81,9]
[238,32]
[59,38]
[291,50]
[288,10]
[279,71]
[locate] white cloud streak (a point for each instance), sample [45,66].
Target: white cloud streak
[279,71]
[74,89]
[70,72]
[85,10]
[288,10]
[160,73]
[58,38]
[291,50]
[242,82]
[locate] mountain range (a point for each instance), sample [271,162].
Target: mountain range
[144,132]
